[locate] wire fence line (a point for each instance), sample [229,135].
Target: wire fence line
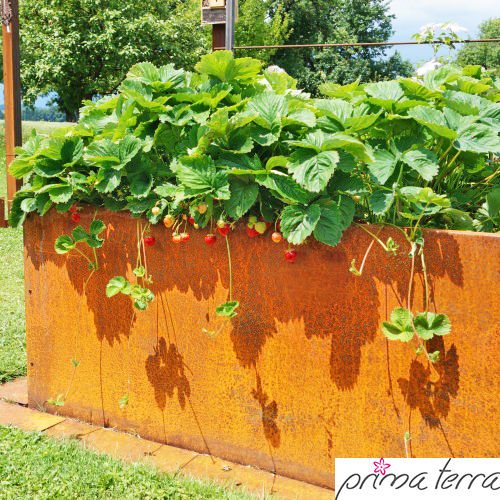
[361,44]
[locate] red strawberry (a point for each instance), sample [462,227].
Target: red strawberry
[290,255]
[224,231]
[210,239]
[75,217]
[149,241]
[278,224]
[73,208]
[251,232]
[191,220]
[185,237]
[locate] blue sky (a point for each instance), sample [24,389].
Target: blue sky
[411,14]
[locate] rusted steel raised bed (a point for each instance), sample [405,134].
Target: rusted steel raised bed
[302,375]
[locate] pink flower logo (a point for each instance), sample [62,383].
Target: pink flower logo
[381,467]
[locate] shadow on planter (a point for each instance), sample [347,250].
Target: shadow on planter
[338,314]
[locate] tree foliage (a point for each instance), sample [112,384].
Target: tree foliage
[338,21]
[483,54]
[83,48]
[261,22]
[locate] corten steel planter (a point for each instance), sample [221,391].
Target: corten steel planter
[302,375]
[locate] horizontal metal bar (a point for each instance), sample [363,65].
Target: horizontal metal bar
[362,44]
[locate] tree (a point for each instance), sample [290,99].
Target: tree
[257,25]
[84,48]
[338,21]
[483,54]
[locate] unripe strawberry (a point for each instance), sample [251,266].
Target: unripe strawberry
[276,237]
[356,198]
[202,208]
[155,210]
[261,227]
[168,220]
[176,238]
[252,219]
[221,223]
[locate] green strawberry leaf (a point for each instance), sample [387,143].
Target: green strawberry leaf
[429,324]
[297,223]
[228,309]
[400,327]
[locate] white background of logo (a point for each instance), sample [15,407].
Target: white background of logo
[425,472]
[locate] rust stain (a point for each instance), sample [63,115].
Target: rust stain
[302,375]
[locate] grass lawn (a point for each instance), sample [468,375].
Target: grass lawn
[32,466]
[12,327]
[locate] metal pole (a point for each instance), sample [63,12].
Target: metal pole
[12,92]
[229,25]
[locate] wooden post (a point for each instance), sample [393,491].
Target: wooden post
[12,91]
[218,36]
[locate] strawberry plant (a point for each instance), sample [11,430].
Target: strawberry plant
[233,142]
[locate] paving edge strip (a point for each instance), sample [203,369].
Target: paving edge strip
[165,458]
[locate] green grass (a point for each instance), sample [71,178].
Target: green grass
[12,322]
[33,466]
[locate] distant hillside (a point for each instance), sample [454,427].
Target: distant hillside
[38,114]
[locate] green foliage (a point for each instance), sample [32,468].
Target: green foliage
[228,309]
[400,327]
[241,142]
[12,324]
[337,21]
[486,55]
[68,242]
[428,324]
[82,49]
[48,114]
[34,466]
[261,22]
[59,401]
[139,295]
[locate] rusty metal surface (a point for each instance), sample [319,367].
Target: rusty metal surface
[26,418]
[16,391]
[302,375]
